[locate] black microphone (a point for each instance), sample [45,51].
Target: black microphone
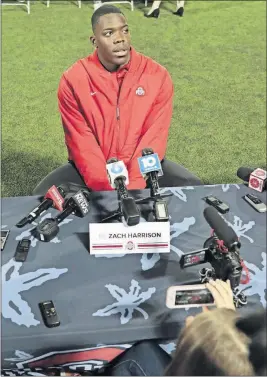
[77,204]
[53,198]
[118,178]
[223,231]
[244,173]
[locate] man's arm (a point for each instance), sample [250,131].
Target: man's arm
[154,133]
[80,141]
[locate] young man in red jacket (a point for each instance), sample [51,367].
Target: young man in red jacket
[114,103]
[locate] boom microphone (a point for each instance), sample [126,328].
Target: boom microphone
[118,178]
[223,231]
[53,198]
[256,178]
[77,204]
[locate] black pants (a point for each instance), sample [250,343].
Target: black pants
[143,359]
[174,176]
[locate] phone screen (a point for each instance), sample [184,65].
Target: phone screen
[201,296]
[161,210]
[4,235]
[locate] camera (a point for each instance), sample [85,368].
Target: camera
[226,264]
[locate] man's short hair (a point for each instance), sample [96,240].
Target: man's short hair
[101,11]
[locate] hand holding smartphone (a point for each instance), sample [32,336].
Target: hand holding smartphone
[188,296]
[222,293]
[215,293]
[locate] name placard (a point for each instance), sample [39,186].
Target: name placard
[116,238]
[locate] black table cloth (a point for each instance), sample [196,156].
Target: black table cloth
[106,303]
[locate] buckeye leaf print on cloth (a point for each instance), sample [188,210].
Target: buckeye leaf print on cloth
[179,228]
[241,228]
[20,356]
[148,261]
[257,281]
[126,302]
[178,192]
[225,187]
[13,283]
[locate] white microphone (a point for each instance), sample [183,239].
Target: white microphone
[118,179]
[117,173]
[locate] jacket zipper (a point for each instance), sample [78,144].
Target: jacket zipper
[118,112]
[118,118]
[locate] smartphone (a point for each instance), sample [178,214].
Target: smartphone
[161,210]
[4,235]
[22,250]
[49,314]
[217,203]
[188,296]
[255,202]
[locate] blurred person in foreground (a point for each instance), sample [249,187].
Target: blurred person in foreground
[154,11]
[114,103]
[210,344]
[254,326]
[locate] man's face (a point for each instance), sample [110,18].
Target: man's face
[112,39]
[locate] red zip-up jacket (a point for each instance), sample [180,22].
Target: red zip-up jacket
[103,119]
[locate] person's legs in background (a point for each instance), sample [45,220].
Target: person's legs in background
[154,10]
[175,175]
[180,8]
[63,174]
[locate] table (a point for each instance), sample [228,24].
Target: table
[105,301]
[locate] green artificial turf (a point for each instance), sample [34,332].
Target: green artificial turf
[216,55]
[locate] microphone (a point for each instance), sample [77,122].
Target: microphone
[77,204]
[118,176]
[150,168]
[256,178]
[223,231]
[53,198]
[119,179]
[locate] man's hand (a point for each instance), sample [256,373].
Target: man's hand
[222,293]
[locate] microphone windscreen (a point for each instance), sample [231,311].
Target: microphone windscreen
[147,151]
[223,231]
[244,173]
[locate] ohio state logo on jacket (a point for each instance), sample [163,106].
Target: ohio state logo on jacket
[140,91]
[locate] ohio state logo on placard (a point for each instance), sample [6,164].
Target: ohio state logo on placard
[140,91]
[129,245]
